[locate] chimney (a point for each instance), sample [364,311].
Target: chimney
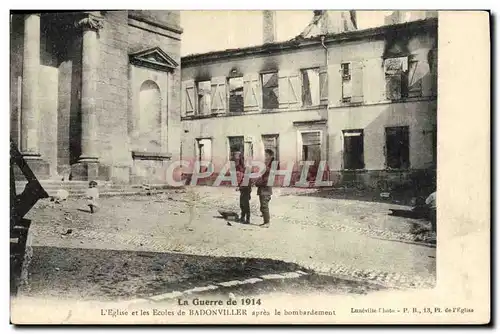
[403,16]
[269,26]
[335,22]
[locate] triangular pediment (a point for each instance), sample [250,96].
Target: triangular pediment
[154,58]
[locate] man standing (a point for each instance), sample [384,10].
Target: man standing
[264,190]
[245,190]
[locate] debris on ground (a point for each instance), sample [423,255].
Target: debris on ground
[61,196]
[68,231]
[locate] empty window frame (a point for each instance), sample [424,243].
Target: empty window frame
[353,149]
[236,144]
[310,87]
[403,77]
[271,142]
[270,91]
[204,151]
[397,147]
[311,146]
[204,97]
[345,69]
[235,94]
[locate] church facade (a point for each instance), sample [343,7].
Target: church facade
[96,95]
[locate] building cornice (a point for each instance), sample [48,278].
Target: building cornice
[298,43]
[164,26]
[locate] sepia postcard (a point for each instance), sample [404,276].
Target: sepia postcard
[250,167]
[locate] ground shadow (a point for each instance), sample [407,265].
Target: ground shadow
[237,221]
[397,197]
[110,274]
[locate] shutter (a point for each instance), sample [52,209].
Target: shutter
[415,78]
[422,74]
[251,91]
[357,82]
[295,90]
[188,97]
[323,86]
[219,95]
[290,89]
[335,85]
[284,96]
[374,89]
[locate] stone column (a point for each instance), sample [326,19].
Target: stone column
[87,166]
[30,115]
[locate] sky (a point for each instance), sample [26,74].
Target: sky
[206,31]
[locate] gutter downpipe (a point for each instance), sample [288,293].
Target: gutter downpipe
[327,112]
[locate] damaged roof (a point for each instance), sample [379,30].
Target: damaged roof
[301,42]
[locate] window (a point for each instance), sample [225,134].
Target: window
[270,91]
[397,144]
[271,142]
[346,71]
[236,94]
[204,151]
[236,144]
[311,151]
[311,146]
[310,87]
[346,82]
[204,97]
[403,77]
[353,149]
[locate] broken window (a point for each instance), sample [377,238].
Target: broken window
[271,143]
[236,144]
[397,147]
[311,151]
[204,97]
[270,91]
[353,149]
[236,94]
[204,152]
[311,146]
[395,71]
[346,82]
[403,77]
[310,87]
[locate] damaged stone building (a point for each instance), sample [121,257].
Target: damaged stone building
[96,95]
[365,100]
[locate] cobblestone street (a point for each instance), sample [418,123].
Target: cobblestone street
[347,239]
